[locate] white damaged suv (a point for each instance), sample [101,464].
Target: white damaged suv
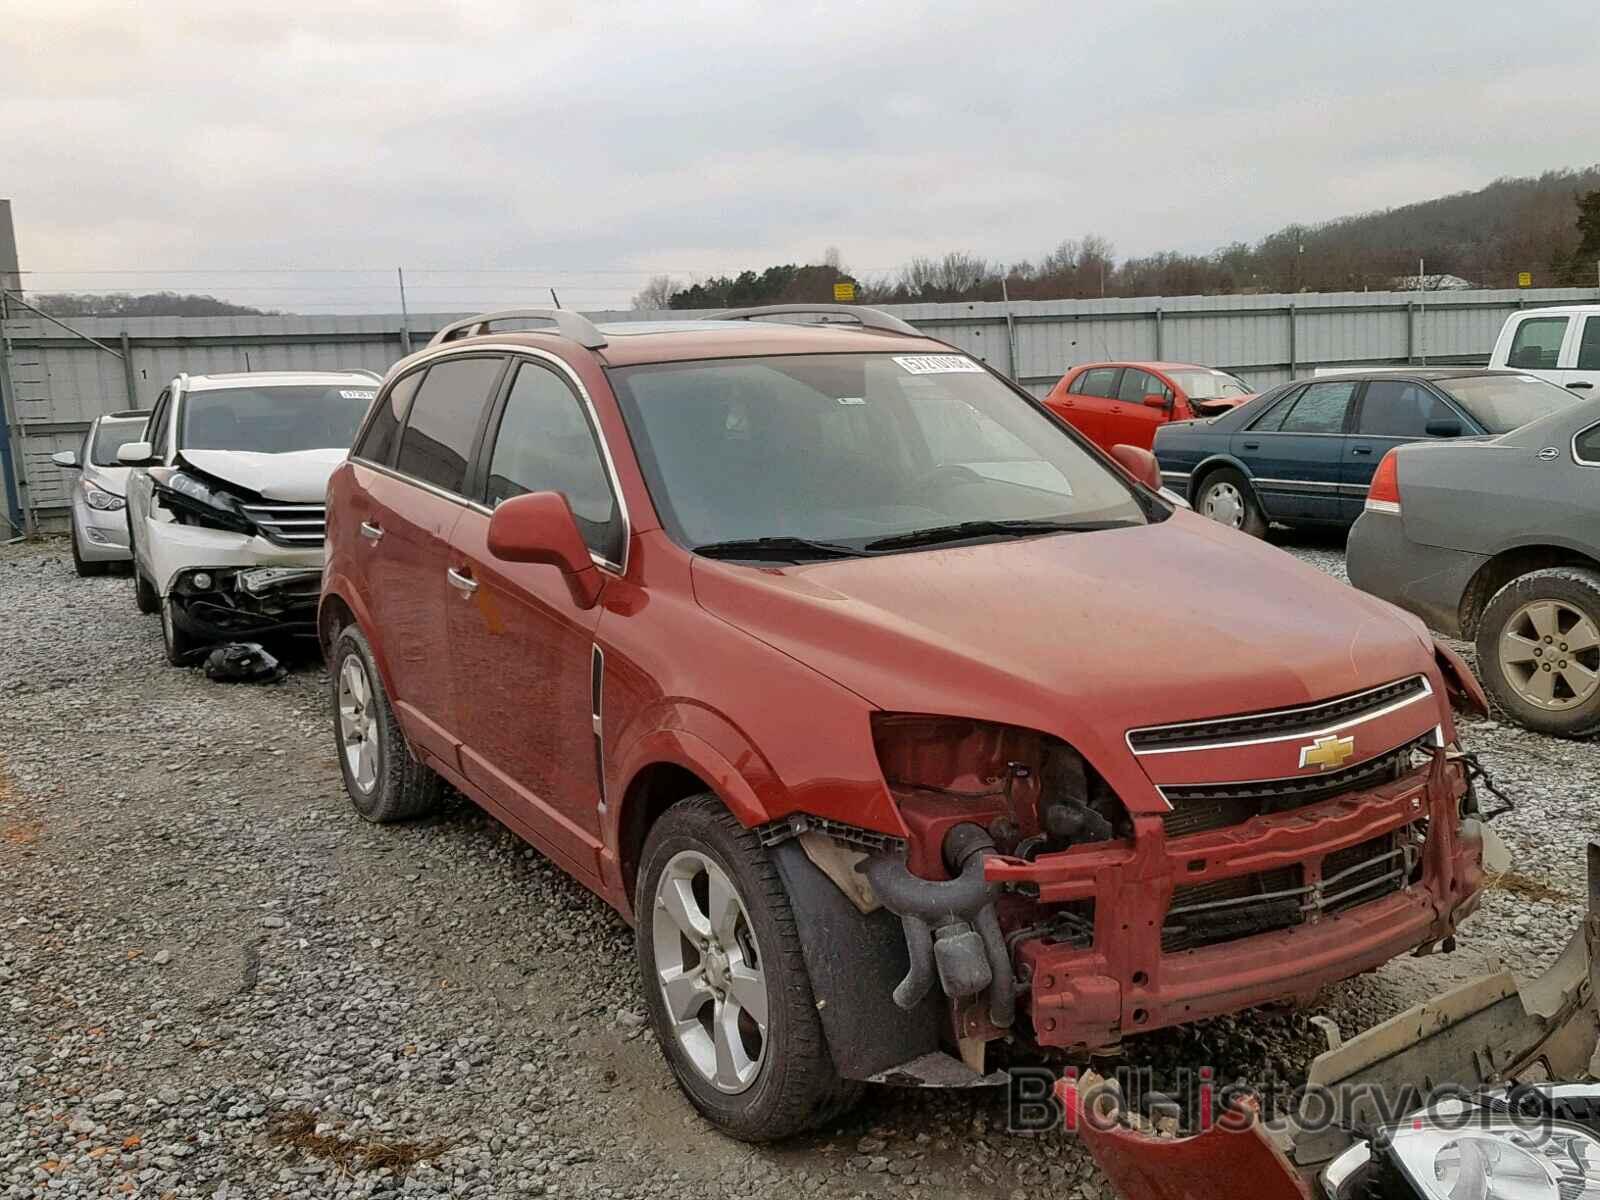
[225,502]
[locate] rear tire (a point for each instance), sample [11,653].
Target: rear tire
[1227,498]
[755,1082]
[1539,650]
[384,781]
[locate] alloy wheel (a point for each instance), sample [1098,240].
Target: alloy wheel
[358,726]
[1224,504]
[1550,654]
[710,971]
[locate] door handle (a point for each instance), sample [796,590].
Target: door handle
[1360,449]
[1252,445]
[1580,386]
[464,583]
[370,531]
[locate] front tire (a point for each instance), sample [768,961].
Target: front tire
[1539,650]
[384,781]
[179,644]
[1228,499]
[82,566]
[725,979]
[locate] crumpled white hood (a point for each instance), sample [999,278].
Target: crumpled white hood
[296,476]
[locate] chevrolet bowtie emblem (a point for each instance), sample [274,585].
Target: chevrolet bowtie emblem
[1327,752]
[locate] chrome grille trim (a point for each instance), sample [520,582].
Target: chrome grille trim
[1280,725]
[289,524]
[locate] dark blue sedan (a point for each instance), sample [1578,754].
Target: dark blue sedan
[1304,453]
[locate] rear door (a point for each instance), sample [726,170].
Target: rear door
[522,652]
[1295,452]
[1582,373]
[1390,412]
[1094,402]
[410,512]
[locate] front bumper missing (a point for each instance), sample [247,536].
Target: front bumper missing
[247,602]
[1090,996]
[1488,1032]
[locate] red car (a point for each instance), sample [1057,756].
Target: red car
[1124,403]
[834,663]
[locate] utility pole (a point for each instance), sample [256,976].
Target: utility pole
[10,420]
[405,317]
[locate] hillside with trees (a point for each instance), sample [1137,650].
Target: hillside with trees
[151,304]
[1548,226]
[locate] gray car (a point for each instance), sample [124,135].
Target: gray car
[1499,541]
[99,493]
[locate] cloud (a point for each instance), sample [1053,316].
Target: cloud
[591,144]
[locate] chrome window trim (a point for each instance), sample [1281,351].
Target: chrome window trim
[1578,458]
[464,349]
[1323,731]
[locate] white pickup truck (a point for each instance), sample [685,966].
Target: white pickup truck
[1561,345]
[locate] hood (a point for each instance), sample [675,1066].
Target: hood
[295,476]
[1083,635]
[1219,404]
[108,479]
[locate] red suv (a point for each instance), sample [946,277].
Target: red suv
[826,656]
[1125,403]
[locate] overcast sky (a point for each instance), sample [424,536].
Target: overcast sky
[589,144]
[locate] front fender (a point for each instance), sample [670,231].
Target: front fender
[1209,463]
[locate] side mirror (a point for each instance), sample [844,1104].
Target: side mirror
[539,527]
[135,454]
[1139,463]
[1156,401]
[66,458]
[1446,428]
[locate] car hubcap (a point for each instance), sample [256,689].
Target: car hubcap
[1550,654]
[358,729]
[710,971]
[1224,504]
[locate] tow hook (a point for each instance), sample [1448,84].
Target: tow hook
[950,925]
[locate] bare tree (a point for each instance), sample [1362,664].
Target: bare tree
[657,294]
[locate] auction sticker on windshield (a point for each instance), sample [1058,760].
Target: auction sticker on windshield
[357,394]
[938,364]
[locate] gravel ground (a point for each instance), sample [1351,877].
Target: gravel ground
[216,981]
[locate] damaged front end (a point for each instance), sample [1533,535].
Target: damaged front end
[1491,1090]
[244,603]
[1026,900]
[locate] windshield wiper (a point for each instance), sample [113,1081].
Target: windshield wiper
[781,549]
[963,530]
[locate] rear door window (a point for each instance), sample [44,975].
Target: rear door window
[377,443]
[1589,346]
[1321,408]
[1586,446]
[443,423]
[1395,408]
[1102,381]
[1536,346]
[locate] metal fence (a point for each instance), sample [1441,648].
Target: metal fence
[56,377]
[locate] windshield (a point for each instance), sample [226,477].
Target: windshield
[111,434]
[851,449]
[274,420]
[1210,385]
[1501,403]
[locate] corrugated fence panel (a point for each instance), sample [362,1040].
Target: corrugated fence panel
[62,381]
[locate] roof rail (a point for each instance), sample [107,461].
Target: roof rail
[867,318]
[567,323]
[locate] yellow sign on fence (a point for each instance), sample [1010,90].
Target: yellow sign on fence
[1524,279]
[844,292]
